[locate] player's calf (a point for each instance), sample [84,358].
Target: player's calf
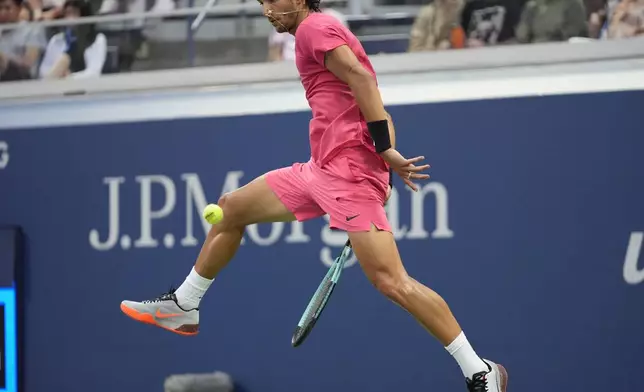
[377,253]
[380,261]
[253,203]
[395,285]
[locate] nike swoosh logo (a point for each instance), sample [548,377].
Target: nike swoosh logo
[160,315]
[352,217]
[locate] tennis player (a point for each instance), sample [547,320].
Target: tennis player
[348,176]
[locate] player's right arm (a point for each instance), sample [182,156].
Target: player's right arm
[327,45]
[343,63]
[392,130]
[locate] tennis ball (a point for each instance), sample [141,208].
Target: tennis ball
[213,214]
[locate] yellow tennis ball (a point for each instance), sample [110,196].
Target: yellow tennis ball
[213,214]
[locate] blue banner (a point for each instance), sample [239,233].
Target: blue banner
[530,227]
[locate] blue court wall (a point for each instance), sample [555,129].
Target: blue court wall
[530,228]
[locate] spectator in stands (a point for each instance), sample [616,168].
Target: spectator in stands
[281,46]
[46,9]
[128,36]
[627,20]
[79,51]
[26,13]
[491,22]
[21,47]
[596,14]
[552,20]
[611,5]
[438,26]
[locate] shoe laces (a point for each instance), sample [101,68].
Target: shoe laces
[478,383]
[168,296]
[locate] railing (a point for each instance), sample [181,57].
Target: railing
[540,59]
[196,15]
[534,55]
[217,11]
[221,11]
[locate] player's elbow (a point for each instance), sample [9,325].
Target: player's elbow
[359,78]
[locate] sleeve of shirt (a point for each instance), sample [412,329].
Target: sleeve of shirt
[36,38]
[94,59]
[319,39]
[54,50]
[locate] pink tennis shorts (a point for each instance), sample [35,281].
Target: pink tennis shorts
[351,188]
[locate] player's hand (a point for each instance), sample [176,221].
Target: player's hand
[405,168]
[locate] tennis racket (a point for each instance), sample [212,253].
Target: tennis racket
[320,297]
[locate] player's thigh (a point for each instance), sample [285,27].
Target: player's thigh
[378,256]
[255,202]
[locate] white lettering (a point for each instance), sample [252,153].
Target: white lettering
[328,257]
[334,238]
[633,275]
[195,200]
[232,181]
[297,234]
[113,184]
[147,215]
[4,154]
[417,230]
[276,231]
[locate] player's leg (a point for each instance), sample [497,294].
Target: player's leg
[386,272]
[378,255]
[255,202]
[276,197]
[178,311]
[352,191]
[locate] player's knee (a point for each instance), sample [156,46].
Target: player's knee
[232,209]
[394,285]
[223,202]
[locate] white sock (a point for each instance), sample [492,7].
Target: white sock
[192,289]
[464,354]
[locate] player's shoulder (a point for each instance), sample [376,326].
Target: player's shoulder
[339,16]
[320,22]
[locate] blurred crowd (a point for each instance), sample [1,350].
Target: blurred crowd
[29,51]
[453,24]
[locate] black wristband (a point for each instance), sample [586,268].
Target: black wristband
[391,178]
[379,131]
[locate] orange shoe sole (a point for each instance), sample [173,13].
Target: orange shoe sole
[147,318]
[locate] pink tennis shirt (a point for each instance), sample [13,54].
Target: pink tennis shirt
[337,122]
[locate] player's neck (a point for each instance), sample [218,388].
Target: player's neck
[300,18]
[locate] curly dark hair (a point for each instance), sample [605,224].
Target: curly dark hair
[314,5]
